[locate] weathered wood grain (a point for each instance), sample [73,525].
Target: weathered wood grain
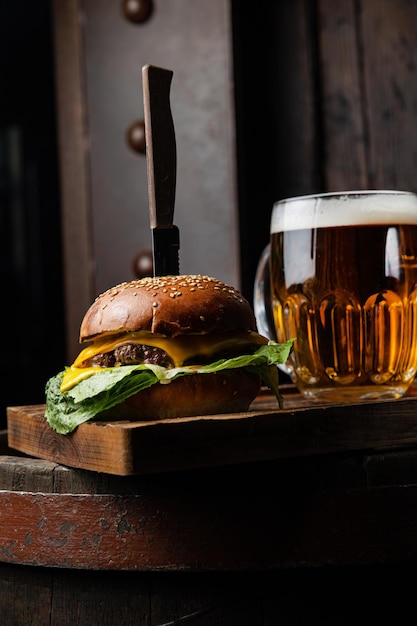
[389,45]
[74,166]
[264,433]
[254,516]
[343,124]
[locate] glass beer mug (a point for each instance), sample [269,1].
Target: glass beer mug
[340,276]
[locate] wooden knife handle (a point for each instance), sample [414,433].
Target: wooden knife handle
[160,145]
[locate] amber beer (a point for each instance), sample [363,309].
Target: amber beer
[344,283]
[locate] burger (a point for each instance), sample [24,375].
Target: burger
[164,347]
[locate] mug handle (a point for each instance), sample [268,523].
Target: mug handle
[262,305]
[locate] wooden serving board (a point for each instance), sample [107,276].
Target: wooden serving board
[263,433]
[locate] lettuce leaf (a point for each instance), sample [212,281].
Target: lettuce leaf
[106,389]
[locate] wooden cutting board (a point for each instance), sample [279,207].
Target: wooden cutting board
[263,433]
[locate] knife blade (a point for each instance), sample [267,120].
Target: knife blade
[161,157]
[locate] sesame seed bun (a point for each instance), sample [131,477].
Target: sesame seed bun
[174,306]
[168,305]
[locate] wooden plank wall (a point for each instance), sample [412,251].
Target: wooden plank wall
[329,104]
[368,55]
[77,247]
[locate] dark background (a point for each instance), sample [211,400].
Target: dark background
[31,272]
[325,98]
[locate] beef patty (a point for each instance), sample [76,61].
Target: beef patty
[133,354]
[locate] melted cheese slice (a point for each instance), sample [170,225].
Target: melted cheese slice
[179,349]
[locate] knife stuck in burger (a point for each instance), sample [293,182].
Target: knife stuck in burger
[170,345]
[161,159]
[165,347]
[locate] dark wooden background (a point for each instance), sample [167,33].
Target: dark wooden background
[323,96]
[326,101]
[317,96]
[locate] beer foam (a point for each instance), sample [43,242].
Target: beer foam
[351,208]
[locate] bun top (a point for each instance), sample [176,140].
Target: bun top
[168,305]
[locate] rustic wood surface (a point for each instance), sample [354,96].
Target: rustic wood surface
[263,433]
[149,533]
[216,545]
[307,512]
[308,486]
[64,597]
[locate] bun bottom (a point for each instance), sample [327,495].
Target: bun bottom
[230,391]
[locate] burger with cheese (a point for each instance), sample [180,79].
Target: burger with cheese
[165,347]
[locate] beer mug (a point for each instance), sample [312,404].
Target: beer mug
[339,275]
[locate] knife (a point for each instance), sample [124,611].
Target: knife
[161,160]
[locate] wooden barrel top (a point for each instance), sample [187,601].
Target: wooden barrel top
[253,516]
[314,487]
